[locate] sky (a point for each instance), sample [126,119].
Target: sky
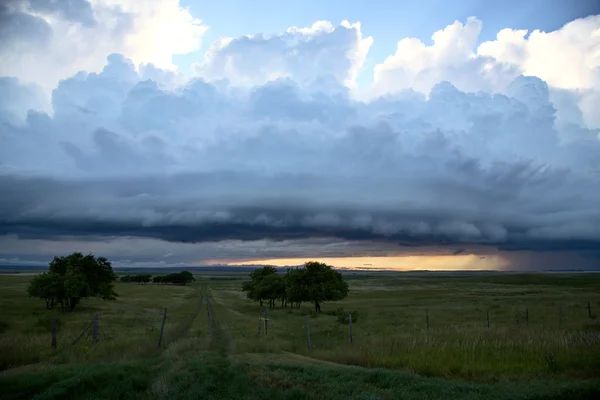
[397,135]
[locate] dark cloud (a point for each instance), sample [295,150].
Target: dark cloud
[124,156]
[22,26]
[20,30]
[71,10]
[232,206]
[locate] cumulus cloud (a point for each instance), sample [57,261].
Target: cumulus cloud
[69,36]
[568,58]
[306,54]
[279,159]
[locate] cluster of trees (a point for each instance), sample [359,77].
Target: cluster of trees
[314,282]
[72,278]
[136,278]
[180,278]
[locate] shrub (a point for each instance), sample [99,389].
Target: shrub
[343,317]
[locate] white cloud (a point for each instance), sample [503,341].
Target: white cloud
[568,58]
[451,57]
[146,32]
[305,54]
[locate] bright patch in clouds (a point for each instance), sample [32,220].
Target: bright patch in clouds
[73,36]
[270,152]
[405,263]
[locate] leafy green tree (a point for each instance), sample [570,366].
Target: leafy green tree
[180,278]
[255,288]
[314,282]
[296,286]
[186,277]
[142,278]
[324,284]
[46,286]
[271,287]
[73,277]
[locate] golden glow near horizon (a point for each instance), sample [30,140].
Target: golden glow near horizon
[401,263]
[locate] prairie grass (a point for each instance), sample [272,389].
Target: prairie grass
[393,354]
[128,327]
[537,328]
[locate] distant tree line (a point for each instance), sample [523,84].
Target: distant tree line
[180,278]
[225,278]
[314,282]
[72,278]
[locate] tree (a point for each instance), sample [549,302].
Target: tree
[45,286]
[142,278]
[71,278]
[258,290]
[315,282]
[180,278]
[271,287]
[323,283]
[186,277]
[296,287]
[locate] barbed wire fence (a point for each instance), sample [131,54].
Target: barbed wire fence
[156,327]
[153,328]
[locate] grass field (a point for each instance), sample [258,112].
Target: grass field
[541,343]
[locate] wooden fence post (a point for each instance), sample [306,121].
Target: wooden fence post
[162,328]
[54,332]
[96,332]
[266,321]
[259,323]
[350,319]
[488,318]
[307,333]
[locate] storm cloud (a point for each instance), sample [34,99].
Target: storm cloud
[283,158]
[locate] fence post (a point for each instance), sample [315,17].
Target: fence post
[259,323]
[589,310]
[266,321]
[350,328]
[427,318]
[307,333]
[488,318]
[96,332]
[162,327]
[54,332]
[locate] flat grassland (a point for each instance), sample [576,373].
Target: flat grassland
[541,342]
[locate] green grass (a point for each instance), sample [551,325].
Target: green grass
[392,332]
[393,354]
[129,326]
